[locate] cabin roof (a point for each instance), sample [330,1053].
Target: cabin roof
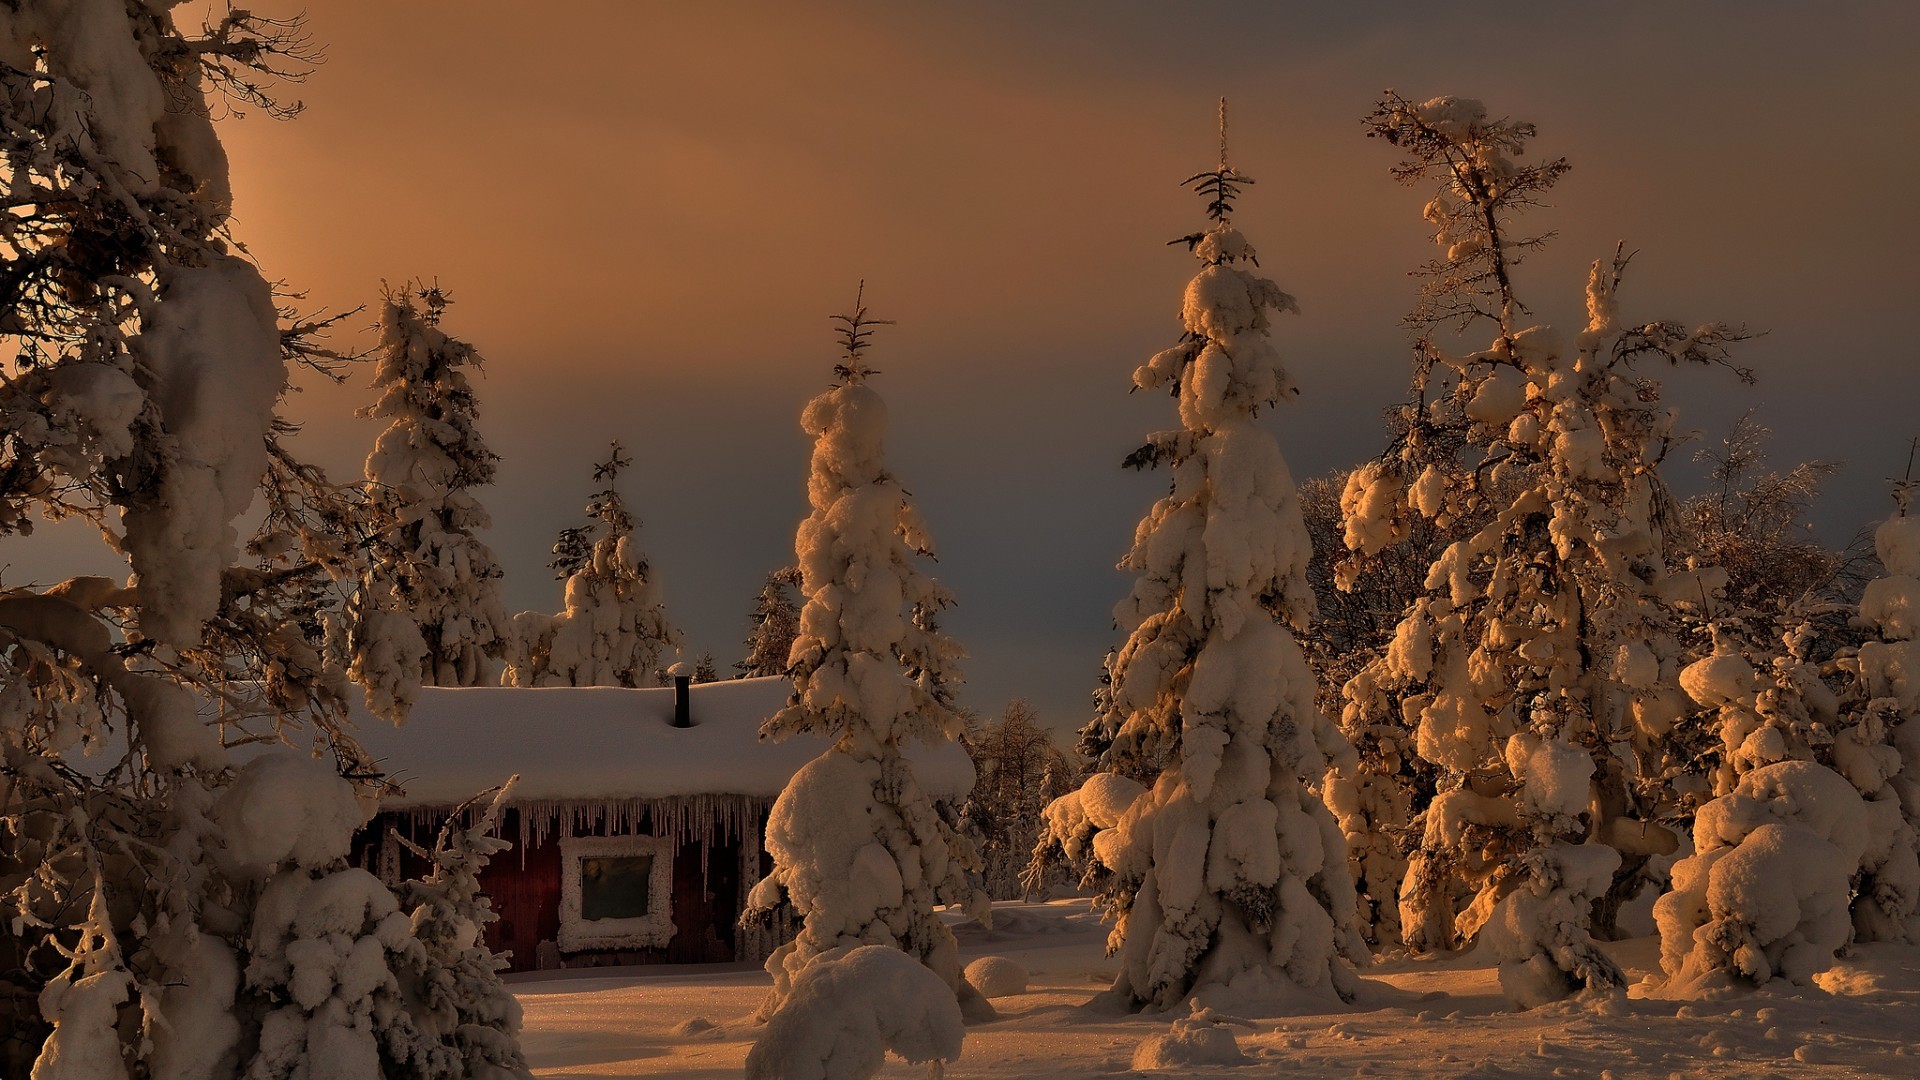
[603,742]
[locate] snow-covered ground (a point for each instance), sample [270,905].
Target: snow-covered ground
[1427,1018]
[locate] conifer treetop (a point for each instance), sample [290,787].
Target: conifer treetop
[856,332]
[1220,186]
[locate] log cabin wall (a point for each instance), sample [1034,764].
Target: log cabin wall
[711,875]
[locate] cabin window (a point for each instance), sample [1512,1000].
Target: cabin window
[615,887]
[615,892]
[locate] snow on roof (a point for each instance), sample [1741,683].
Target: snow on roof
[606,742]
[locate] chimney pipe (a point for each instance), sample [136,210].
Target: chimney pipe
[682,676]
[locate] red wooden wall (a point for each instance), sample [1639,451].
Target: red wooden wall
[525,890]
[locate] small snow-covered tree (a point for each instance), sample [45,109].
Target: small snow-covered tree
[1545,652]
[432,588]
[326,937]
[776,621]
[1018,770]
[1229,870]
[857,845]
[614,629]
[468,1023]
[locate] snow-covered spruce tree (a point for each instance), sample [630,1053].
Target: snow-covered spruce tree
[1766,891]
[338,971]
[1538,675]
[856,844]
[614,629]
[1018,770]
[467,1020]
[149,362]
[776,621]
[1229,870]
[326,938]
[432,589]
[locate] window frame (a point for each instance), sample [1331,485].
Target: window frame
[650,931]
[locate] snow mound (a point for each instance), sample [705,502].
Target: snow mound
[848,1009]
[1205,1038]
[997,976]
[698,1029]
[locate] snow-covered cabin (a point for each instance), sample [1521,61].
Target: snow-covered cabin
[636,840]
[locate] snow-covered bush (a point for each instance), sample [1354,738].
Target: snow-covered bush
[850,1008]
[1536,932]
[1765,894]
[325,937]
[1229,869]
[343,973]
[857,846]
[614,629]
[1537,675]
[427,566]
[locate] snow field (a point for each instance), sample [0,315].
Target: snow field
[1426,1017]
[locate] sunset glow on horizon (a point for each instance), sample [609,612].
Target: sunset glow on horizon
[645,216]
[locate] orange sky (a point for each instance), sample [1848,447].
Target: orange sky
[644,212]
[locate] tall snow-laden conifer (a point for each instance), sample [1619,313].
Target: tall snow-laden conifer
[430,578]
[147,364]
[1228,870]
[614,630]
[1539,673]
[857,845]
[142,399]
